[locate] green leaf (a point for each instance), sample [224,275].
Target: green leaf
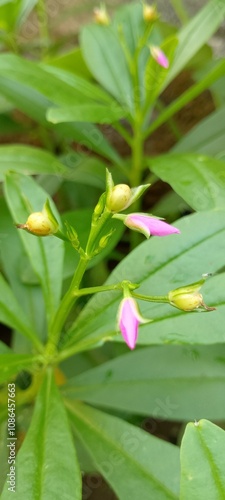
[180,382]
[96,113]
[133,462]
[12,253]
[71,61]
[194,34]
[23,197]
[198,179]
[34,89]
[4,349]
[12,363]
[46,464]
[202,462]
[207,137]
[12,315]
[29,160]
[160,267]
[105,59]
[14,12]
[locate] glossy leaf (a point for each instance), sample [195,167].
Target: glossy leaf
[95,113]
[105,59]
[202,461]
[160,267]
[181,382]
[23,197]
[47,467]
[29,160]
[194,34]
[199,180]
[12,363]
[130,459]
[12,315]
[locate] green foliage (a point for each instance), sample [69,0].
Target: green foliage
[66,118]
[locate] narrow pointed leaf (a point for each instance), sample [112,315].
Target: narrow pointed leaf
[46,465]
[130,459]
[202,462]
[105,59]
[194,34]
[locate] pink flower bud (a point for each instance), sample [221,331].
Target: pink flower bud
[129,319]
[148,225]
[159,56]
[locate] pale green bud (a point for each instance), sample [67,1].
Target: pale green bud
[119,198]
[188,298]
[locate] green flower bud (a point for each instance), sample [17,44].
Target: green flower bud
[119,198]
[188,298]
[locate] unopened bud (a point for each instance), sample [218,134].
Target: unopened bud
[119,198]
[41,223]
[188,298]
[149,12]
[101,16]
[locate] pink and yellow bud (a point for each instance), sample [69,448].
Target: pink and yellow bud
[147,224]
[159,56]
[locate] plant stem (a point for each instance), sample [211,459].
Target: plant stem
[152,298]
[43,26]
[66,305]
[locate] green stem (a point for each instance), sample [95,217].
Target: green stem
[151,298]
[66,305]
[43,26]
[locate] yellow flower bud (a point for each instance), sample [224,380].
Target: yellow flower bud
[41,223]
[119,198]
[149,12]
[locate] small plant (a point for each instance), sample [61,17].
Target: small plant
[75,401]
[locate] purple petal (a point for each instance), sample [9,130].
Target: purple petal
[159,56]
[129,320]
[150,225]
